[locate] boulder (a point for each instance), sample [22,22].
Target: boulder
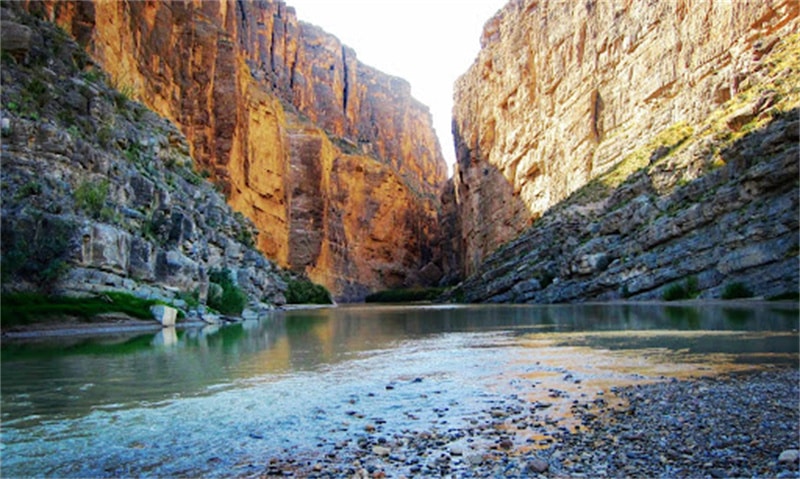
[166,315]
[15,39]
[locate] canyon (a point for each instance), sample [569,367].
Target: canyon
[605,150]
[334,162]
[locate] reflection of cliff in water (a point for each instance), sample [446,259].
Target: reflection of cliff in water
[202,361]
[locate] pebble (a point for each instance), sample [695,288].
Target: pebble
[742,425]
[538,466]
[789,456]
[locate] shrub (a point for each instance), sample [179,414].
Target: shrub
[91,197]
[405,295]
[677,291]
[31,188]
[230,299]
[736,290]
[35,249]
[305,292]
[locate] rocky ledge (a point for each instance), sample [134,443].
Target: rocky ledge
[743,425]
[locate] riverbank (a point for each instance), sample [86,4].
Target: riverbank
[739,425]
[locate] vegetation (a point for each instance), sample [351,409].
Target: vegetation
[686,290]
[26,308]
[787,296]
[302,291]
[226,297]
[91,196]
[736,290]
[36,250]
[405,295]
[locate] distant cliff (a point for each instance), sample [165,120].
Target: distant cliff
[562,92]
[613,150]
[334,162]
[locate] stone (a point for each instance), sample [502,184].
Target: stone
[538,466]
[166,315]
[106,247]
[15,39]
[789,456]
[381,451]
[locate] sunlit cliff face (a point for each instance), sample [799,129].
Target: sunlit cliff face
[335,163]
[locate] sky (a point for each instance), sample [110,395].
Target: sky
[429,43]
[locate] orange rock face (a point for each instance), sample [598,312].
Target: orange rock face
[562,91]
[334,161]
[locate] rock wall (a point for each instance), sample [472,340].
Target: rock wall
[561,92]
[265,99]
[100,193]
[705,210]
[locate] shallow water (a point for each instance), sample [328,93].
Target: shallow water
[223,401]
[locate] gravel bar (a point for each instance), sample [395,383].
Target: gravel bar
[737,425]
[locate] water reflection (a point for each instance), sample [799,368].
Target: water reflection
[71,376]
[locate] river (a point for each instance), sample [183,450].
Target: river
[221,402]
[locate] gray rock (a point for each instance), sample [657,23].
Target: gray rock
[166,315]
[789,456]
[381,451]
[538,466]
[15,38]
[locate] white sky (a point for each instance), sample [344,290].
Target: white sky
[429,43]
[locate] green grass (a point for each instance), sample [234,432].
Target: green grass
[28,308]
[409,295]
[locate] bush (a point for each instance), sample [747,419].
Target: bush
[91,197]
[228,297]
[306,292]
[687,290]
[405,295]
[36,249]
[736,290]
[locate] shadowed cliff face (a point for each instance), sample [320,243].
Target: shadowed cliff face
[278,112]
[562,92]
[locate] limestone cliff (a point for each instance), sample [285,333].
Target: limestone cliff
[562,92]
[100,194]
[704,207]
[280,113]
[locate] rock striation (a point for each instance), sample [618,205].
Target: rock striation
[296,131]
[704,209]
[100,194]
[562,92]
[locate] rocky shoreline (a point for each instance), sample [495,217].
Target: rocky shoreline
[737,425]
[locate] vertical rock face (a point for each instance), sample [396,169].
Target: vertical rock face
[280,113]
[563,91]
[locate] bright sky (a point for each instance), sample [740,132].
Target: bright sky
[430,43]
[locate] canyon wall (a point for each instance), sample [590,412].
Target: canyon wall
[562,92]
[654,158]
[334,162]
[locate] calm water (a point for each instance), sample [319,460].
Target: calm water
[223,401]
